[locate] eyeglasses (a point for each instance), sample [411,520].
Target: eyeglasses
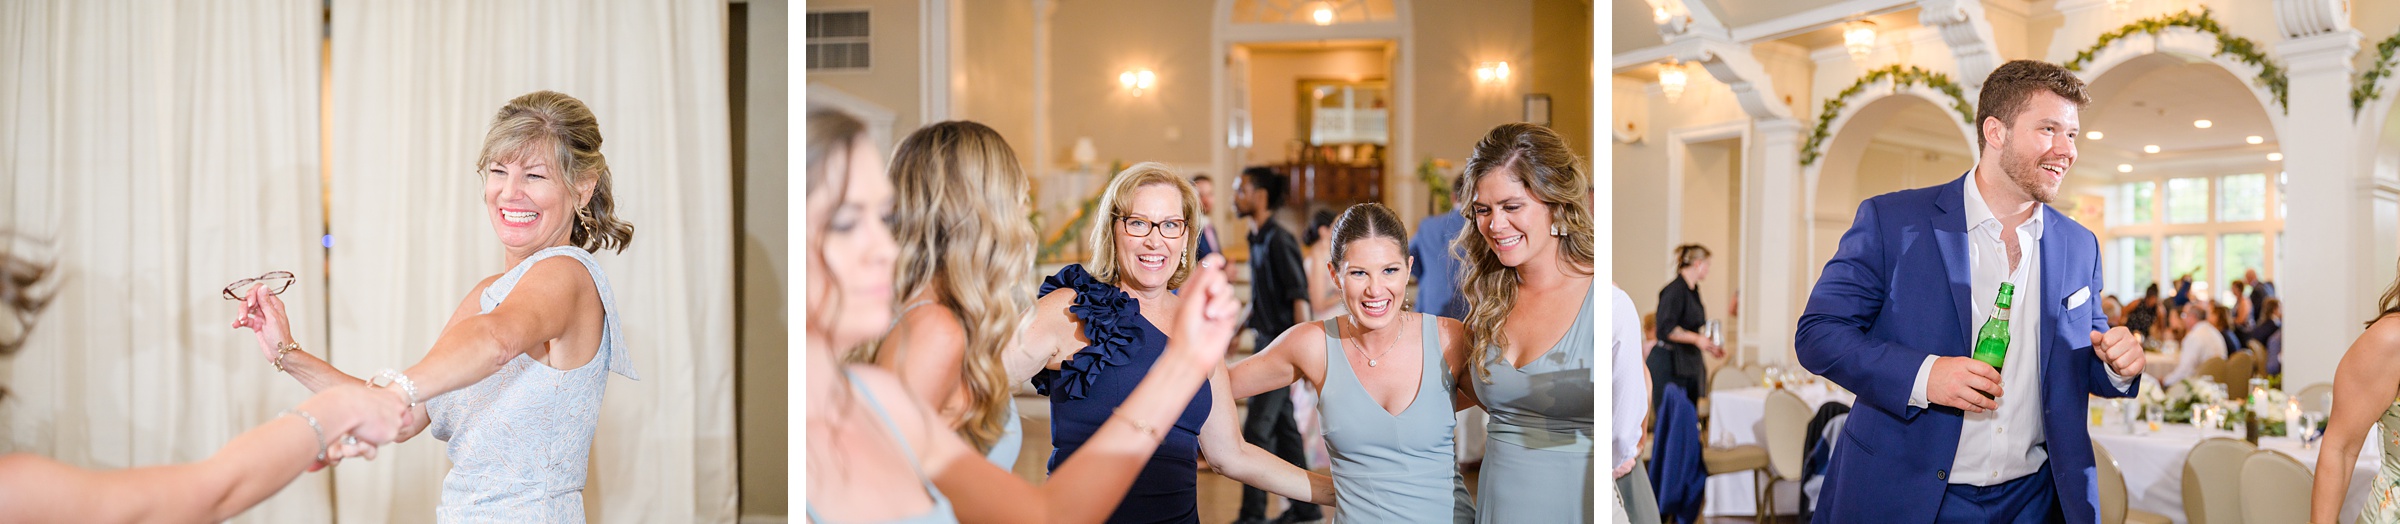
[1141,228]
[274,281]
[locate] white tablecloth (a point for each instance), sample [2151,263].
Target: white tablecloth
[1736,417]
[2153,464]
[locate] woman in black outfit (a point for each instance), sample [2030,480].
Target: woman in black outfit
[1680,319]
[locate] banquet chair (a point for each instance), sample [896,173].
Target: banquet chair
[2213,368]
[2275,488]
[2212,481]
[1758,373]
[2316,398]
[2113,504]
[1786,437]
[1730,377]
[2236,374]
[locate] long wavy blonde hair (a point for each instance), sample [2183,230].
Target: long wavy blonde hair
[961,224]
[1537,157]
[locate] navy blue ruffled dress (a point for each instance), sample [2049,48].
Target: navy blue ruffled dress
[1085,391]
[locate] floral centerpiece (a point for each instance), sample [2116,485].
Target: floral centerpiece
[2203,402]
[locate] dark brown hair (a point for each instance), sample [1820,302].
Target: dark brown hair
[1365,221]
[1688,254]
[2009,87]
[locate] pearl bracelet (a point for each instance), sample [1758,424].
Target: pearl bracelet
[313,428]
[390,377]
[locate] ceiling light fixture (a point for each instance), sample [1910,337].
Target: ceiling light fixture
[2274,157]
[1672,80]
[1323,14]
[2203,124]
[2124,168]
[2255,140]
[1859,38]
[2150,149]
[2095,135]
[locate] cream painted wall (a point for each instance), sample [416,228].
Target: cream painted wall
[1642,254]
[1274,91]
[761,375]
[1452,37]
[1092,43]
[1712,197]
[997,87]
[1562,68]
[892,78]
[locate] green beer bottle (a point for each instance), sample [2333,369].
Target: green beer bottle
[1991,343]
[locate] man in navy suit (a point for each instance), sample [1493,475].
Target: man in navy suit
[1937,436]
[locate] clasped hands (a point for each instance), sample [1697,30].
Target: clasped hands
[356,418]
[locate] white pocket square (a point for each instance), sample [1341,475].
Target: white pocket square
[2076,300]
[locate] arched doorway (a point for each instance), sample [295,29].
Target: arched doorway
[2187,175]
[1907,138]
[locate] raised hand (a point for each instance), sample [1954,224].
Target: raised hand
[2121,349]
[263,313]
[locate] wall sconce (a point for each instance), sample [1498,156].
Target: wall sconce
[1491,72]
[1137,80]
[1859,37]
[1672,80]
[1322,14]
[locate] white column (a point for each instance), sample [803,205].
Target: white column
[1772,221]
[2328,284]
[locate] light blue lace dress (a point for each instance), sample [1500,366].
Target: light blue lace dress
[520,441]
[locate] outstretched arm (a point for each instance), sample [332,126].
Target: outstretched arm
[247,470]
[1277,365]
[544,303]
[1221,441]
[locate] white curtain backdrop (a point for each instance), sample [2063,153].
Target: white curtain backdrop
[156,152]
[415,84]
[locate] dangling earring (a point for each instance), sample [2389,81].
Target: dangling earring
[583,219]
[1555,232]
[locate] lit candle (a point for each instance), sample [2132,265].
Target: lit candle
[2291,420]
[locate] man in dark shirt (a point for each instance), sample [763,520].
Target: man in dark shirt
[1279,299]
[1207,189]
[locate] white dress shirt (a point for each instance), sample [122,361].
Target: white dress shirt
[2201,343]
[1632,394]
[2003,444]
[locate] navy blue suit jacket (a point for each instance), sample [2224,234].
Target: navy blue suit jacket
[1898,289]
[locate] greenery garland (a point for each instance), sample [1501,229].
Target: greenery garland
[2243,50]
[2366,89]
[1900,76]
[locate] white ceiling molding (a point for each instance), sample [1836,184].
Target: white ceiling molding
[1813,19]
[1969,34]
[1732,64]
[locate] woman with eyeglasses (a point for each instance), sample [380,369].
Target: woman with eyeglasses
[877,453]
[1098,327]
[514,382]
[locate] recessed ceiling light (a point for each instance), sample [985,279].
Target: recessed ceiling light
[2124,168]
[2274,157]
[2150,149]
[2255,139]
[2095,135]
[2203,124]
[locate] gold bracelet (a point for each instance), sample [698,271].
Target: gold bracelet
[282,349]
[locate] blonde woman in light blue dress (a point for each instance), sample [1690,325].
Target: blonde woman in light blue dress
[514,383]
[2364,388]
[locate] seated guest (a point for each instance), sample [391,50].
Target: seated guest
[2201,341]
[2219,315]
[2269,331]
[2114,309]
